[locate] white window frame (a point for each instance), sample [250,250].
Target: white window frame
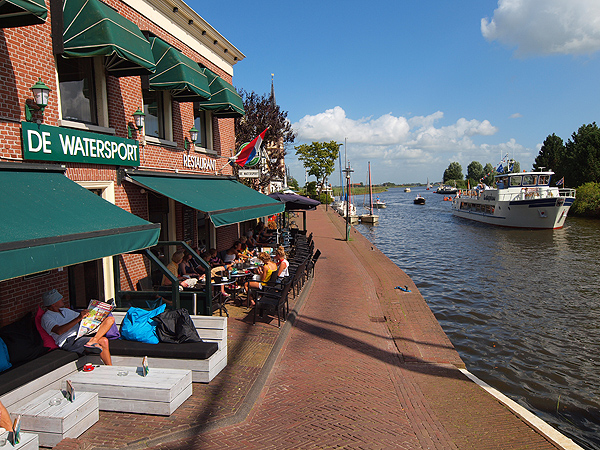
[108,272]
[101,102]
[167,141]
[208,123]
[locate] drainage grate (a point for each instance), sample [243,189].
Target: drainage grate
[377,318]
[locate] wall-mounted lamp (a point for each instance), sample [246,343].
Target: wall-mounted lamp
[41,92]
[193,138]
[175,9]
[138,117]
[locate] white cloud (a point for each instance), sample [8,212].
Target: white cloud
[545,27]
[408,149]
[516,116]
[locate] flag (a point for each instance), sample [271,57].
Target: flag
[561,181]
[249,151]
[500,169]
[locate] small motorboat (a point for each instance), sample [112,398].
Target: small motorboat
[419,200]
[406,189]
[378,203]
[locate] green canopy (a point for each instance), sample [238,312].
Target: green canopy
[20,13]
[225,200]
[92,28]
[177,73]
[48,221]
[224,100]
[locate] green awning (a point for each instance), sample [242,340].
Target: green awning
[92,28]
[48,221]
[177,73]
[20,13]
[224,100]
[225,200]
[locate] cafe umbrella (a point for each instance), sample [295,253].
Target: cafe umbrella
[295,202]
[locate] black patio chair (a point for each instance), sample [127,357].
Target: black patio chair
[274,300]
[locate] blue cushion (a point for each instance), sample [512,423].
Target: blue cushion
[138,325]
[4,360]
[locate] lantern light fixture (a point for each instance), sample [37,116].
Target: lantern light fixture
[193,137]
[41,92]
[138,118]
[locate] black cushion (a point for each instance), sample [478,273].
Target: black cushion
[18,376]
[23,340]
[190,350]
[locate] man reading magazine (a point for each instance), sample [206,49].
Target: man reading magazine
[63,325]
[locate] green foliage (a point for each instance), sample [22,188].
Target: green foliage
[453,172]
[311,189]
[582,156]
[587,202]
[319,158]
[488,172]
[475,171]
[293,183]
[550,156]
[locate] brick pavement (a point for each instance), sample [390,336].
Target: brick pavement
[363,366]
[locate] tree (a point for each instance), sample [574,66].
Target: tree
[453,172]
[551,154]
[488,173]
[319,158]
[293,183]
[475,171]
[582,156]
[262,112]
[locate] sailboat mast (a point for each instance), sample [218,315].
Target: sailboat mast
[370,190]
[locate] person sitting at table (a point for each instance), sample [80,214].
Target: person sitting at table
[63,324]
[213,271]
[282,264]
[231,255]
[214,260]
[244,253]
[264,275]
[173,267]
[186,267]
[251,242]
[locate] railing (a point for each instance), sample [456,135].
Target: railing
[565,192]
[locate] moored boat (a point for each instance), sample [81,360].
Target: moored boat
[520,200]
[446,190]
[370,217]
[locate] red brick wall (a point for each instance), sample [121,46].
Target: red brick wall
[226,236]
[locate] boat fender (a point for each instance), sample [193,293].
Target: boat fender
[405,288]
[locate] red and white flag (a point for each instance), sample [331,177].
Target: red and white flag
[249,151]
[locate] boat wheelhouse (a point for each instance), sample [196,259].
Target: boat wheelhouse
[520,200]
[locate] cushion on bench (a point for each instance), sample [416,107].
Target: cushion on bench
[189,350]
[29,371]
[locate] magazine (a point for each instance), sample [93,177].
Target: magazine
[70,391]
[15,436]
[145,367]
[97,312]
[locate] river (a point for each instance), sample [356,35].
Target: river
[522,307]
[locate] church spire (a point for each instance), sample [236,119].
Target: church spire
[272,90]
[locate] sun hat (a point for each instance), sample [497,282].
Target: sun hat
[51,297]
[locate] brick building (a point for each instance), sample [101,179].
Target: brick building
[103,62]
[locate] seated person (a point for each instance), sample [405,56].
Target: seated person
[63,323]
[264,235]
[231,255]
[5,421]
[264,275]
[186,267]
[214,259]
[173,267]
[282,264]
[251,242]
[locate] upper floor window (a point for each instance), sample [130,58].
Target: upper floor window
[203,123]
[154,110]
[77,86]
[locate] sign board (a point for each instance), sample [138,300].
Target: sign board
[47,143]
[249,173]
[203,164]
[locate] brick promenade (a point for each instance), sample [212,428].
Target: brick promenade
[363,366]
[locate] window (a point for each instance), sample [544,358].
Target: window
[203,123]
[529,180]
[77,85]
[515,181]
[154,110]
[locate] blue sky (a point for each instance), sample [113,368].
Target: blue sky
[414,86]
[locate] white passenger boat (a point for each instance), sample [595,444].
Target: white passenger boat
[521,200]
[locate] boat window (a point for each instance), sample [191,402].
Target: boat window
[544,180]
[515,181]
[529,180]
[502,182]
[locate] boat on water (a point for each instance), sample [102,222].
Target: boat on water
[406,189]
[419,200]
[370,217]
[446,190]
[520,200]
[378,203]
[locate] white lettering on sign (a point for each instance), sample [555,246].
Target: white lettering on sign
[94,148]
[42,142]
[195,162]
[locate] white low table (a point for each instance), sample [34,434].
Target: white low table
[27,441]
[54,422]
[161,392]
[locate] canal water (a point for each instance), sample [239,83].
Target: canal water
[522,307]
